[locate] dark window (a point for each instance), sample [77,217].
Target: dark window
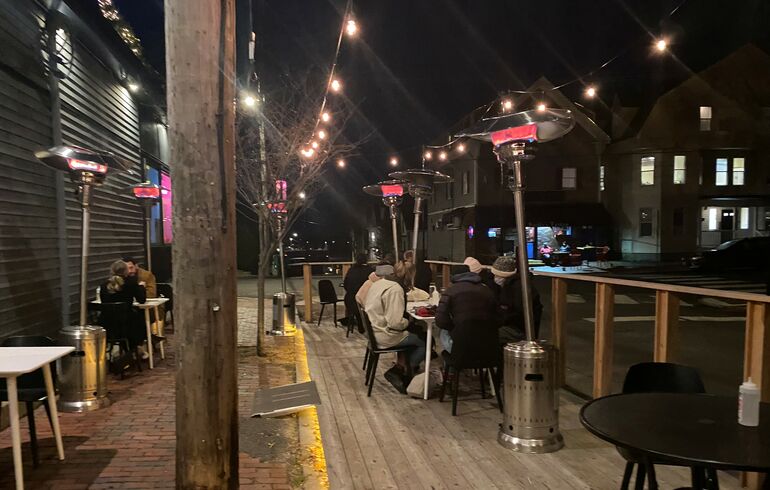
[645,222]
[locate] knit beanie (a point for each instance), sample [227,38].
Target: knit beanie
[473,264]
[504,266]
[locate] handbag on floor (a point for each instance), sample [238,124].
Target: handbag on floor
[418,383]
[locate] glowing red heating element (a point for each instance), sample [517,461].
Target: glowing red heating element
[147,192]
[392,190]
[277,207]
[86,166]
[518,133]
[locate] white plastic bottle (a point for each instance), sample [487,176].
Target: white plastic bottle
[98,294]
[748,404]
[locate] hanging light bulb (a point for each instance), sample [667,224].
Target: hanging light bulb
[326,117]
[461,148]
[322,134]
[541,107]
[314,144]
[393,161]
[341,163]
[428,155]
[301,194]
[507,104]
[661,45]
[336,85]
[590,92]
[351,27]
[308,152]
[442,155]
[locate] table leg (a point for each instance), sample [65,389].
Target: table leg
[652,481]
[149,335]
[13,404]
[428,341]
[491,383]
[51,400]
[160,331]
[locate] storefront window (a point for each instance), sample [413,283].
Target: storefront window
[165,199]
[153,176]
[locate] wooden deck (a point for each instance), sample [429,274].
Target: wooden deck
[394,441]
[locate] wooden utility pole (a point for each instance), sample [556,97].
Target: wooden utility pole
[200,54]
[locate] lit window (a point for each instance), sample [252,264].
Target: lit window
[647,168]
[645,222]
[680,169]
[743,220]
[466,182]
[712,219]
[601,177]
[739,171]
[720,177]
[569,178]
[705,118]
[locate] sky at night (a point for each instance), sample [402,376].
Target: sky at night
[421,65]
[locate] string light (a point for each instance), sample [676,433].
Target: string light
[661,45]
[326,117]
[428,155]
[507,104]
[341,163]
[541,107]
[461,148]
[302,194]
[393,161]
[591,92]
[442,155]
[351,27]
[322,134]
[308,152]
[336,85]
[134,87]
[249,101]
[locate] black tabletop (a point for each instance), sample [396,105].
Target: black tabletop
[689,429]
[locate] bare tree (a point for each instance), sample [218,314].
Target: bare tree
[279,171]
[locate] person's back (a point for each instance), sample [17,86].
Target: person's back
[385,307]
[512,307]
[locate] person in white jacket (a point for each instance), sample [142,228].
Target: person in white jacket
[385,306]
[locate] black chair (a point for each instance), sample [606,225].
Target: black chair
[480,351]
[328,296]
[661,377]
[166,291]
[373,352]
[115,318]
[31,387]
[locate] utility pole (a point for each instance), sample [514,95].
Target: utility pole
[200,59]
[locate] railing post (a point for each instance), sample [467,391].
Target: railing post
[558,320]
[666,326]
[445,276]
[756,363]
[603,334]
[307,291]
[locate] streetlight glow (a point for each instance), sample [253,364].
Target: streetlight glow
[541,107]
[591,92]
[249,101]
[393,162]
[301,194]
[341,163]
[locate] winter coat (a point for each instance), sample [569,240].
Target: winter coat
[354,279]
[385,306]
[511,309]
[468,310]
[364,289]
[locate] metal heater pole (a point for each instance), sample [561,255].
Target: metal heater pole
[280,256]
[85,191]
[517,186]
[394,226]
[417,213]
[147,237]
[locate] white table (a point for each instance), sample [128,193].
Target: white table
[15,361]
[429,321]
[150,304]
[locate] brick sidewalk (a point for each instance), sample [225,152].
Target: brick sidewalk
[131,444]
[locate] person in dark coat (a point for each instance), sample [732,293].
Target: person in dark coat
[354,279]
[510,306]
[423,276]
[122,288]
[466,315]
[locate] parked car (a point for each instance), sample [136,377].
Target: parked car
[749,254]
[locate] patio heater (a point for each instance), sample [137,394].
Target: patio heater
[283,302]
[420,185]
[148,195]
[531,418]
[83,379]
[391,192]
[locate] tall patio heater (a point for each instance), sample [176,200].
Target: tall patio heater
[283,302]
[531,406]
[420,184]
[83,379]
[148,195]
[391,192]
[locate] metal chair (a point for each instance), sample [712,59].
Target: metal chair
[661,377]
[31,387]
[373,352]
[328,296]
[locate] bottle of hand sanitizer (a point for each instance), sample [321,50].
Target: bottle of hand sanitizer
[748,404]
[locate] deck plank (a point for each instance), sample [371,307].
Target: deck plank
[393,441]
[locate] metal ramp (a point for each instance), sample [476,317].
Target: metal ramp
[284,400]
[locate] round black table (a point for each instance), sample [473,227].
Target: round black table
[686,429]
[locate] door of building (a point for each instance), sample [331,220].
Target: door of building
[727,224]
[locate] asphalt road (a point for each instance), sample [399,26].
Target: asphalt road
[712,330]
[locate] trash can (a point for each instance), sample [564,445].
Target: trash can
[83,375]
[283,313]
[531,402]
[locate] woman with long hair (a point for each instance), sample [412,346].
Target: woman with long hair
[122,288]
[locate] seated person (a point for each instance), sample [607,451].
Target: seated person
[484,273]
[545,253]
[510,306]
[423,276]
[383,269]
[354,279]
[123,288]
[466,306]
[147,279]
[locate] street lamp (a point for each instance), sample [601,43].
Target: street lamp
[391,192]
[514,137]
[148,195]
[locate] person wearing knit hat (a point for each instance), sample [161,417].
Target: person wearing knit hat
[504,266]
[473,264]
[511,307]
